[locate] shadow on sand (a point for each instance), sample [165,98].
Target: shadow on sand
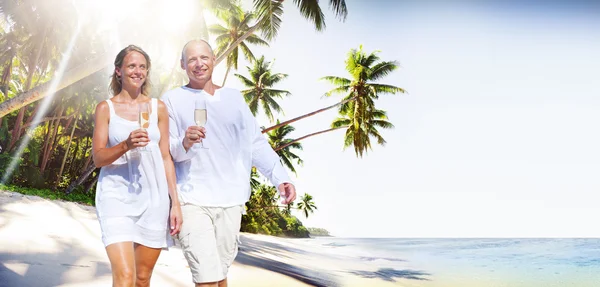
[250,254]
[389,274]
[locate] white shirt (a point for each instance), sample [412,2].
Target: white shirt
[219,174]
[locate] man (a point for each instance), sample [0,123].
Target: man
[214,178]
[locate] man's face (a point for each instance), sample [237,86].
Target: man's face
[134,70]
[198,62]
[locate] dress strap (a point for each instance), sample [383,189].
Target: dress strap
[111,108]
[154,113]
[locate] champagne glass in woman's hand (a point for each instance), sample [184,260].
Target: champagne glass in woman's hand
[200,116]
[143,119]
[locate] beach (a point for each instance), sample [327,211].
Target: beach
[56,243]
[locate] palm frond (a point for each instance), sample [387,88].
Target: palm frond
[341,122]
[269,101]
[255,40]
[269,13]
[338,81]
[387,89]
[267,108]
[382,69]
[339,9]
[247,82]
[247,53]
[311,10]
[382,124]
[338,90]
[277,93]
[217,29]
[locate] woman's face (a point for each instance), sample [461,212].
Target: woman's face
[134,70]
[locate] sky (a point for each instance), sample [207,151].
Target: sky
[496,136]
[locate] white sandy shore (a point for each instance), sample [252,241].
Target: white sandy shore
[55,243]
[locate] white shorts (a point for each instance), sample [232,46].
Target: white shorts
[209,237]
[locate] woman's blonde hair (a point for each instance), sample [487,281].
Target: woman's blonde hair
[115,82]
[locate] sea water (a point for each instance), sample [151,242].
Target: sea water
[490,262]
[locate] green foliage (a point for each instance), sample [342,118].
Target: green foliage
[264,216]
[77,196]
[260,88]
[315,231]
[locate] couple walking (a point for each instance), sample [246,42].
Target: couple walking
[163,176]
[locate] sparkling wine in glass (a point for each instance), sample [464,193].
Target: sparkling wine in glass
[144,119]
[200,116]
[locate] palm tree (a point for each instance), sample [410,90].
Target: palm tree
[269,13]
[357,108]
[237,26]
[277,138]
[358,112]
[260,91]
[306,204]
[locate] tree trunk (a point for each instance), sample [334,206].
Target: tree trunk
[88,188]
[30,119]
[81,179]
[62,166]
[70,77]
[31,72]
[51,143]
[307,136]
[16,132]
[225,78]
[48,119]
[6,75]
[306,115]
[74,157]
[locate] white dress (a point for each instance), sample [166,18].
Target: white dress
[132,199]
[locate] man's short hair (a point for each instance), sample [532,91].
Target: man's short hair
[195,41]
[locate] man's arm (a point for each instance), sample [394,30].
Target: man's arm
[176,136]
[264,158]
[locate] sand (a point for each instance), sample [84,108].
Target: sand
[56,243]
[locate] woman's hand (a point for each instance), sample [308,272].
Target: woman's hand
[137,138]
[176,219]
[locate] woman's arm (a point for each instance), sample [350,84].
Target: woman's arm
[164,144]
[102,155]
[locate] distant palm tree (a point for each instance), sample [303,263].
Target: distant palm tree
[277,138]
[236,26]
[259,88]
[306,204]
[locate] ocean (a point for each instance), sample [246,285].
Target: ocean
[514,262]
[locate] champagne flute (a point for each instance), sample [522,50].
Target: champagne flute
[143,119]
[200,116]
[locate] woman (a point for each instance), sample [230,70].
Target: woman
[134,185]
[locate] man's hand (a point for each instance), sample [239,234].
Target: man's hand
[287,192]
[193,134]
